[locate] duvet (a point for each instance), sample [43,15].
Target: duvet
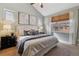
[35,45]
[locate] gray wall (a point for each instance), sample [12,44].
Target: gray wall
[47,25]
[65,37]
[20,7]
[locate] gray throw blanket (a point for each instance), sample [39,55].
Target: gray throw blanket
[21,47]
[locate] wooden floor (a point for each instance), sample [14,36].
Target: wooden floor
[60,50]
[9,52]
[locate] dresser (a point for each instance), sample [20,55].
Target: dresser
[8,41]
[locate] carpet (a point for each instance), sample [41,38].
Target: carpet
[58,51]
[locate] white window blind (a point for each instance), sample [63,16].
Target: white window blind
[9,16]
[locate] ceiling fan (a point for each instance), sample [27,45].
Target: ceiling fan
[41,5]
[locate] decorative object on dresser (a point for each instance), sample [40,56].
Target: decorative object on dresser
[8,41]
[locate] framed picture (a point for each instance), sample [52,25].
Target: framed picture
[23,18]
[33,20]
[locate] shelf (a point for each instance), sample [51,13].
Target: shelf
[60,32]
[58,18]
[60,27]
[60,23]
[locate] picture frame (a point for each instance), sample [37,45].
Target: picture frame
[23,18]
[33,20]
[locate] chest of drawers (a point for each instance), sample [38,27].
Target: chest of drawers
[8,41]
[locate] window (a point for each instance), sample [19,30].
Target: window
[9,15]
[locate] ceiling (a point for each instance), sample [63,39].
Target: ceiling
[51,8]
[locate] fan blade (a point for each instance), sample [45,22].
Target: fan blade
[32,3]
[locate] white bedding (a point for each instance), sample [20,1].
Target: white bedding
[23,38]
[35,46]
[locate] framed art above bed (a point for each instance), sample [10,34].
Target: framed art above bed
[23,18]
[33,20]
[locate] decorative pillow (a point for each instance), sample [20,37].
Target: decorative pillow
[35,32]
[27,32]
[32,32]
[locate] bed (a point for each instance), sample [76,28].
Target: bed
[35,45]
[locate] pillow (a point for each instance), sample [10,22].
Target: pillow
[35,32]
[27,32]
[31,32]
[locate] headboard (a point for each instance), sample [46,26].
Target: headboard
[21,28]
